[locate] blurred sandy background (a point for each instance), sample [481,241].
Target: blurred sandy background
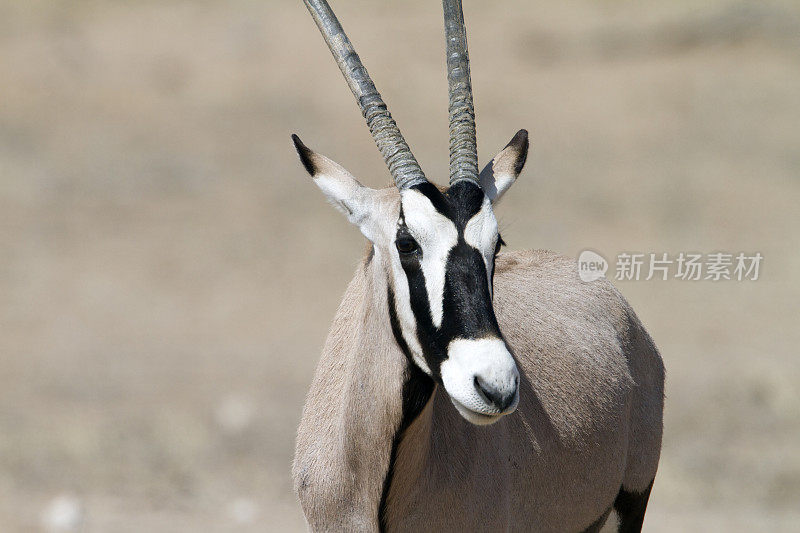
[168,272]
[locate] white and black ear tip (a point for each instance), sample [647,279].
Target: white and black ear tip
[306,155]
[520,140]
[520,144]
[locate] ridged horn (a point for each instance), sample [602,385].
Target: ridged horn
[401,162]
[463,141]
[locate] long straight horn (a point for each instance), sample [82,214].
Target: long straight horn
[401,162]
[463,141]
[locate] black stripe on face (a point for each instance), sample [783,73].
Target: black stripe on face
[418,387]
[466,200]
[434,347]
[459,203]
[439,201]
[467,310]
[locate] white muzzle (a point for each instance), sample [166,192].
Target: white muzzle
[482,379]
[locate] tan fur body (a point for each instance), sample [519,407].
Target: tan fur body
[589,419]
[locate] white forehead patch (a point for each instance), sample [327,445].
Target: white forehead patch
[436,235]
[481,233]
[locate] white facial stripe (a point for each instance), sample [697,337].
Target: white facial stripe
[408,325]
[481,233]
[436,235]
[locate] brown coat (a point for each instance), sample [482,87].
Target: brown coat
[589,419]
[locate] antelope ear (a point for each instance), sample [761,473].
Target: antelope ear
[341,189]
[503,170]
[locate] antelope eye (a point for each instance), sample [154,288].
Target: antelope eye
[406,245]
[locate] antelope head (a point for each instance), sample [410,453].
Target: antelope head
[437,246]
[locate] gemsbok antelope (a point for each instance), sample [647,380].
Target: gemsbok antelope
[438,336]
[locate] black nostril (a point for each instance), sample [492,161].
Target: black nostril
[492,396]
